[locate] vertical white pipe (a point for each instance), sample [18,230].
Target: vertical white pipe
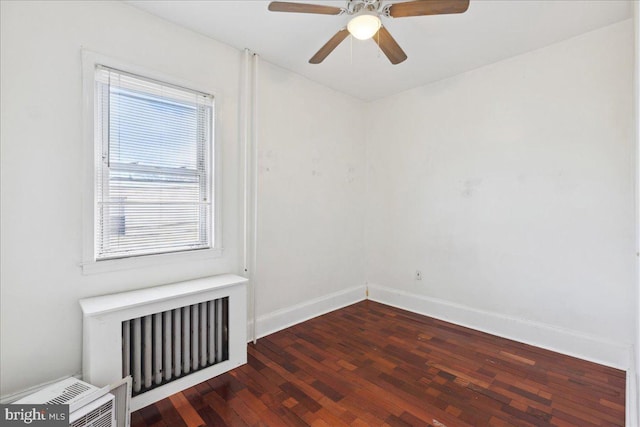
[195,337]
[212,332]
[167,332]
[126,348]
[219,330]
[244,120]
[254,128]
[137,355]
[177,342]
[157,348]
[203,334]
[147,347]
[247,112]
[186,339]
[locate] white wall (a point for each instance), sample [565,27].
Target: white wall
[511,187]
[42,154]
[42,163]
[310,197]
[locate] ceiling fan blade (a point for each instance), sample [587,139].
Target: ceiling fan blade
[427,7]
[389,46]
[282,6]
[329,46]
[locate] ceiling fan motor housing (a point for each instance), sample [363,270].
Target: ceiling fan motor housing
[357,6]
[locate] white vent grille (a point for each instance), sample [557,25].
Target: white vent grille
[162,347]
[99,417]
[89,406]
[69,392]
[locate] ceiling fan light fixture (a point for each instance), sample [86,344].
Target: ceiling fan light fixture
[364,26]
[365,22]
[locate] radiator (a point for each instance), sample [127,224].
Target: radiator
[161,347]
[167,338]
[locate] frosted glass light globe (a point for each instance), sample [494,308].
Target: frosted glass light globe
[364,26]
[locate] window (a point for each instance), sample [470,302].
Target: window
[153,167]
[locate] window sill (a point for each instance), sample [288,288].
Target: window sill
[107,266]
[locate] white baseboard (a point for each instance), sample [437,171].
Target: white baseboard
[281,319]
[633,393]
[565,341]
[632,415]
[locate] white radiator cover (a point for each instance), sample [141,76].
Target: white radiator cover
[102,329]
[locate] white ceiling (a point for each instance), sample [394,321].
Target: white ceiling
[437,46]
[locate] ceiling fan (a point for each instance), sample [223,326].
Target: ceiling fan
[366,22]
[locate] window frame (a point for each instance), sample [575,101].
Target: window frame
[90,264]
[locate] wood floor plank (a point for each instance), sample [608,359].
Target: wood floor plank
[186,411]
[169,413]
[374,365]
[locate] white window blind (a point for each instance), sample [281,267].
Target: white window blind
[154,179]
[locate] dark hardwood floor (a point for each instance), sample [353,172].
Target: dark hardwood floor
[370,364]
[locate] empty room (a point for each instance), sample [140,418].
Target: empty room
[325,213]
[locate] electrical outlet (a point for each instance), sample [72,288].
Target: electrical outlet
[418,275]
